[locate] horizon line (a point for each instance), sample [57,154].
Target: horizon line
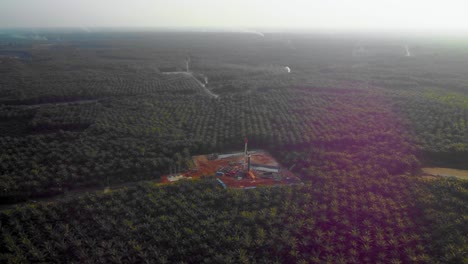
[266,30]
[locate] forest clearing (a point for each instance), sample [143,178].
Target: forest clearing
[236,170]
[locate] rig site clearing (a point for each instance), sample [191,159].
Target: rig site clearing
[239,170]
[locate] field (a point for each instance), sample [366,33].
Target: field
[354,119]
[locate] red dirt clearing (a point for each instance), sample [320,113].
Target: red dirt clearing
[204,166]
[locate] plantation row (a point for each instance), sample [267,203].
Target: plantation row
[50,164]
[438,124]
[351,219]
[48,117]
[143,135]
[35,90]
[63,117]
[288,117]
[8,113]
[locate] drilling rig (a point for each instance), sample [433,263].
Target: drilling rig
[246,166]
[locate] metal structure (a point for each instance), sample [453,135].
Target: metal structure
[245,154]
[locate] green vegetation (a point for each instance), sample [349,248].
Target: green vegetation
[353,219]
[126,137]
[445,209]
[356,128]
[439,124]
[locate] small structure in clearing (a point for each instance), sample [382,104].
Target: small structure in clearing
[173,178]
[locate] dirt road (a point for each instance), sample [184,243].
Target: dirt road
[202,85]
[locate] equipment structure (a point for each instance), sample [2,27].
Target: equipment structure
[244,169]
[246,141]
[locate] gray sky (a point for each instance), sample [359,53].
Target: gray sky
[408,15]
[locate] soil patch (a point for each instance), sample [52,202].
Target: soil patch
[446,172]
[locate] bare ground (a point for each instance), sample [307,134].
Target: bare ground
[446,172]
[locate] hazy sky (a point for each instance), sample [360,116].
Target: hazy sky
[315,14]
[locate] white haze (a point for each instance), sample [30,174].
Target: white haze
[365,15]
